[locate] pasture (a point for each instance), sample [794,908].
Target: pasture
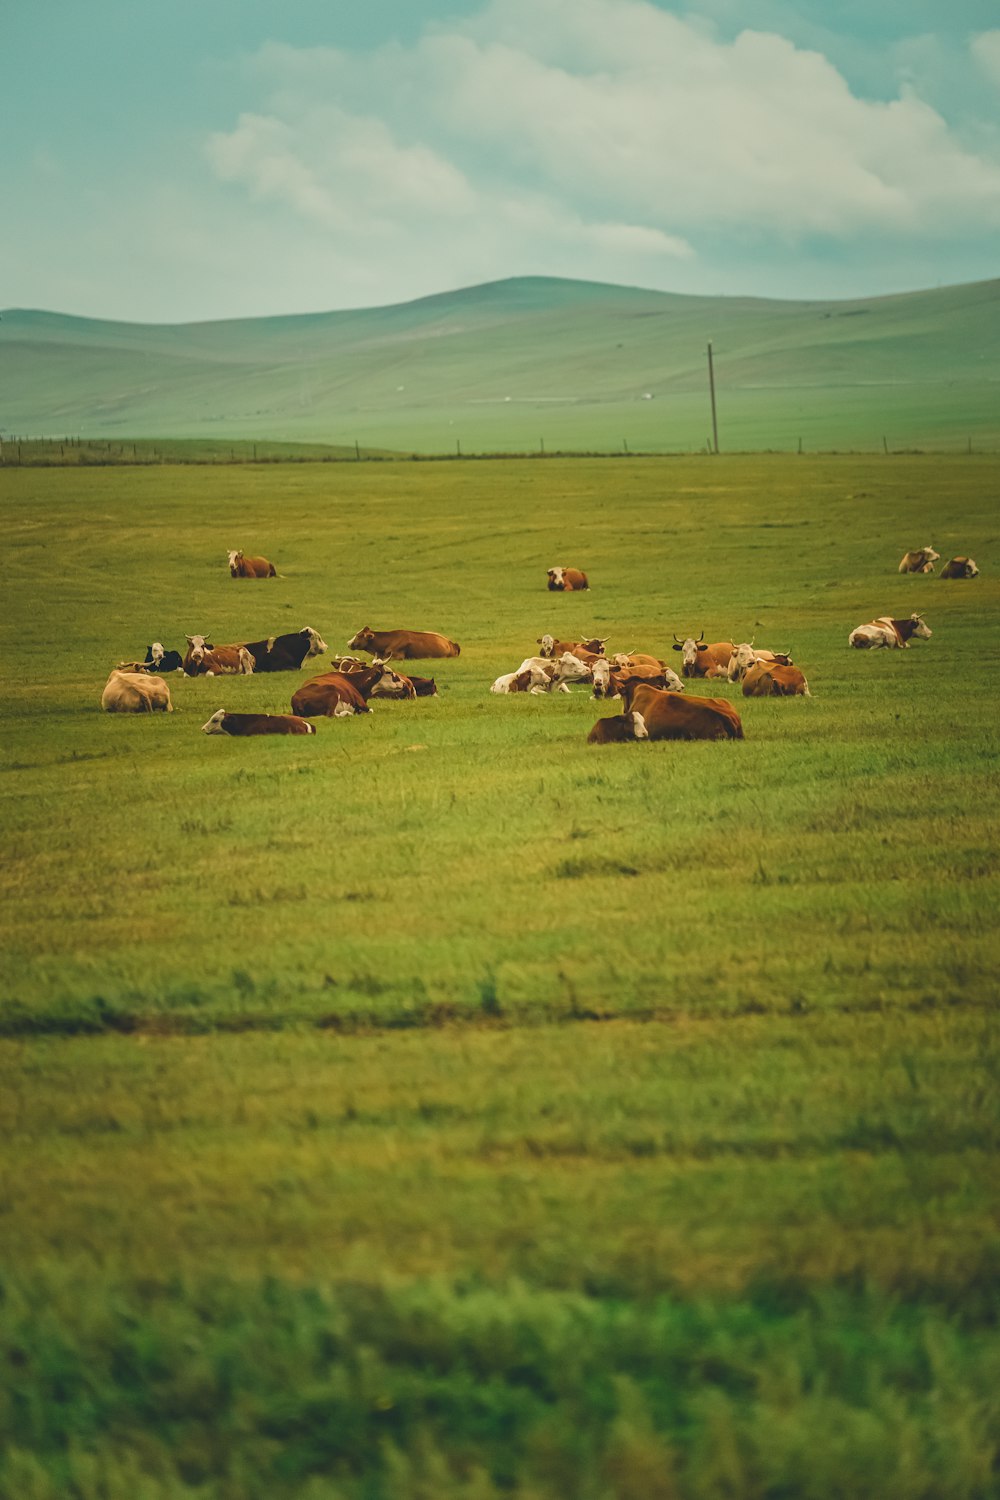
[440,1106]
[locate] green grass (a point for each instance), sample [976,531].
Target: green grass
[526,365]
[444,1107]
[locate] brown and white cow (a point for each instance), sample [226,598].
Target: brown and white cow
[699,659]
[535,677]
[549,646]
[337,694]
[286,653]
[628,659]
[887,632]
[135,693]
[920,560]
[223,722]
[567,580]
[619,729]
[250,567]
[403,645]
[673,716]
[205,660]
[745,654]
[608,679]
[959,567]
[771,679]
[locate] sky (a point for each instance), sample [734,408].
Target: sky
[204,159]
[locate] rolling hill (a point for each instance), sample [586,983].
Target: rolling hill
[529,362]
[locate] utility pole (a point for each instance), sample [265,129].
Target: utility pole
[711,387]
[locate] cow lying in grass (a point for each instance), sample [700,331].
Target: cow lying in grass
[889,633]
[135,693]
[223,722]
[250,567]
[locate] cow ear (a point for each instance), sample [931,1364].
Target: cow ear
[701,647]
[678,648]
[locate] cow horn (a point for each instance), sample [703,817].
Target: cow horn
[702,636]
[678,640]
[752,639]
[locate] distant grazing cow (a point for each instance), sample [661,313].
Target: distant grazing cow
[673,716]
[163,661]
[223,722]
[203,660]
[618,730]
[746,654]
[549,646]
[250,567]
[403,645]
[337,694]
[771,679]
[921,560]
[567,580]
[286,653]
[889,633]
[135,693]
[959,567]
[701,660]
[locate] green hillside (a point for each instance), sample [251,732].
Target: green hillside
[516,364]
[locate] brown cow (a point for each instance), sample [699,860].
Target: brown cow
[745,654]
[250,567]
[403,645]
[771,679]
[205,660]
[337,694]
[959,567]
[135,693]
[618,729]
[920,560]
[672,716]
[549,646]
[567,580]
[701,660]
[223,722]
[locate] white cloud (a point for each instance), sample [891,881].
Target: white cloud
[601,138]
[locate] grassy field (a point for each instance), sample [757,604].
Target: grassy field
[529,364]
[441,1106]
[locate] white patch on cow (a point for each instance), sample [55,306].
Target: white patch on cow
[156,653]
[232,559]
[639,729]
[214,724]
[557,576]
[342,710]
[546,646]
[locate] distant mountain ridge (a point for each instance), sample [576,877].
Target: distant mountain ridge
[485,365]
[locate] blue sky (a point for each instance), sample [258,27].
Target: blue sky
[227,158]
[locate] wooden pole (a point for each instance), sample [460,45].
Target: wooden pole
[711,387]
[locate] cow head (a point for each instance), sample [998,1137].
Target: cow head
[557,578]
[363,641]
[155,653]
[595,644]
[742,659]
[235,558]
[569,668]
[546,645]
[929,555]
[602,679]
[689,649]
[672,681]
[921,631]
[316,642]
[214,724]
[197,646]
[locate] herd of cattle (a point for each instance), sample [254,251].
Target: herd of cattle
[649,690]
